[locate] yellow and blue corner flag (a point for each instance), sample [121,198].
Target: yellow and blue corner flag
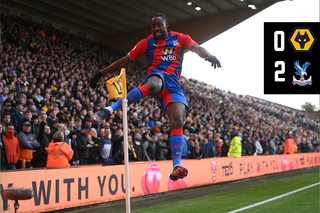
[117,86]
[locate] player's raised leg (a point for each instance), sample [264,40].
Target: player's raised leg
[133,96]
[152,86]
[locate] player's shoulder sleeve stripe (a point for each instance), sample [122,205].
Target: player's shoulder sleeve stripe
[138,50]
[186,40]
[193,46]
[129,56]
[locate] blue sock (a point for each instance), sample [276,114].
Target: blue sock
[133,96]
[176,146]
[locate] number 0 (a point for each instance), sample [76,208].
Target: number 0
[276,42]
[276,74]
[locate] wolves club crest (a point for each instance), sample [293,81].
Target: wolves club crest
[302,40]
[301,71]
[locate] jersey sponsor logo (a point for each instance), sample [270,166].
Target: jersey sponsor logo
[168,55]
[167,51]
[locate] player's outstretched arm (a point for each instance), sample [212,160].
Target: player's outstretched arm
[203,53]
[117,65]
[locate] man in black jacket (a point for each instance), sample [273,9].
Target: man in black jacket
[83,146]
[72,141]
[3,153]
[225,148]
[117,141]
[40,156]
[137,145]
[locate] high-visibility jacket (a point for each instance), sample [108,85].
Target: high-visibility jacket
[289,146]
[59,154]
[235,149]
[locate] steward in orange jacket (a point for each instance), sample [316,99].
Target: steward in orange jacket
[289,146]
[59,152]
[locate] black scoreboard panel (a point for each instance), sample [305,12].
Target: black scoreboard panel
[292,58]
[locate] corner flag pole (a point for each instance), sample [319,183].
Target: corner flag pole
[125,138]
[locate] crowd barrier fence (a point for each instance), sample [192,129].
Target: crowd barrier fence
[56,189]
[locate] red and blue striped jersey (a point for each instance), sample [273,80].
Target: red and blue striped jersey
[163,56]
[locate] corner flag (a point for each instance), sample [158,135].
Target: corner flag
[117,86]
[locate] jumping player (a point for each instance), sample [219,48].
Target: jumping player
[164,51]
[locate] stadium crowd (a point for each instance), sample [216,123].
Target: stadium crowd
[44,89]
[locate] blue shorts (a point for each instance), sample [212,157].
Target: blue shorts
[171,90]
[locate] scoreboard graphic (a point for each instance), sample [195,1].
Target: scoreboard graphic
[292,58]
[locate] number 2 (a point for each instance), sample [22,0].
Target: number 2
[281,71]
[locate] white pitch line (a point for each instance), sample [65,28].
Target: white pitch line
[271,199]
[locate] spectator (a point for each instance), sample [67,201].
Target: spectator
[259,150]
[78,124]
[162,148]
[47,131]
[304,148]
[207,148]
[59,152]
[137,146]
[11,146]
[27,144]
[4,95]
[279,150]
[54,127]
[35,126]
[70,125]
[27,117]
[245,147]
[40,154]
[4,159]
[310,148]
[62,127]
[289,146]
[272,147]
[18,114]
[5,120]
[215,145]
[83,146]
[51,117]
[185,152]
[117,141]
[105,144]
[93,152]
[7,106]
[196,152]
[132,151]
[74,146]
[225,148]
[251,147]
[151,148]
[235,148]
[166,139]
[263,143]
[191,141]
